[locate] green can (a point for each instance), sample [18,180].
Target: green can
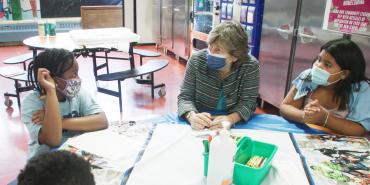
[51,28]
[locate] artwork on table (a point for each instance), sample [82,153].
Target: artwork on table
[335,159]
[19,9]
[103,169]
[110,162]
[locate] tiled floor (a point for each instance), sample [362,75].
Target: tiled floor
[136,102]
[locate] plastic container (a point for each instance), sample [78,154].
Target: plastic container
[245,175]
[41,28]
[220,162]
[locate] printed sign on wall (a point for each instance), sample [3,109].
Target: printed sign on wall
[348,16]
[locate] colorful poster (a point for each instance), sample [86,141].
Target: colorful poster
[16,10]
[334,159]
[348,16]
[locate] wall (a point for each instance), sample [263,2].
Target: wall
[17,31]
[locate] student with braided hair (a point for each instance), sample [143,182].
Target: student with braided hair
[57,109]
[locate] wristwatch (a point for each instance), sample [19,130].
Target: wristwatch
[188,114]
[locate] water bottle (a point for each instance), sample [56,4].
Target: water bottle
[42,28]
[221,159]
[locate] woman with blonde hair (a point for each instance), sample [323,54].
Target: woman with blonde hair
[222,79]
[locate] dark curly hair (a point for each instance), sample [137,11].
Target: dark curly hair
[57,61]
[349,57]
[56,168]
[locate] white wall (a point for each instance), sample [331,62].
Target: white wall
[144,18]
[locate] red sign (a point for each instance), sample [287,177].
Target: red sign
[348,16]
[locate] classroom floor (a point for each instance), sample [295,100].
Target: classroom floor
[137,102]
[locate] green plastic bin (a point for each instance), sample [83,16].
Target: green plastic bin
[244,175]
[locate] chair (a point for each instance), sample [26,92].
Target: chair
[18,75]
[19,59]
[148,68]
[101,17]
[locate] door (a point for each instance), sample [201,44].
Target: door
[157,21]
[276,39]
[181,27]
[167,13]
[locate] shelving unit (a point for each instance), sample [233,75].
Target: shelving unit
[202,18]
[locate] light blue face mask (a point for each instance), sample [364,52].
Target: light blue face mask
[215,61]
[320,76]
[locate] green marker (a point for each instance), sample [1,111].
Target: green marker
[206,146]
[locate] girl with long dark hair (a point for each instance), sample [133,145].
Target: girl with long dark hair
[334,93]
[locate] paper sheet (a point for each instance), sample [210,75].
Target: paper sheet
[118,38]
[287,167]
[280,139]
[109,144]
[113,151]
[173,156]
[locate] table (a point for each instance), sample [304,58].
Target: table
[174,156]
[170,144]
[88,42]
[90,39]
[61,40]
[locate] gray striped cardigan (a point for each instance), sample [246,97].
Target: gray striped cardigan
[201,87]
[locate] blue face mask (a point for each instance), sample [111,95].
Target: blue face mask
[215,61]
[320,76]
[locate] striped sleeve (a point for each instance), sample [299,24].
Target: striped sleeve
[186,99]
[249,91]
